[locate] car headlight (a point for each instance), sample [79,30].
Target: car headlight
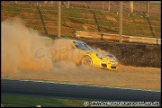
[99,56]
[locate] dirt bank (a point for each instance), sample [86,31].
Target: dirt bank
[130,54]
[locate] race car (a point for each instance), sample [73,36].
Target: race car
[86,55]
[92,58]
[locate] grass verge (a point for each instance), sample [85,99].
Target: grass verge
[15,100]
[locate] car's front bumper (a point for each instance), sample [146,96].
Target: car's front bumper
[110,66]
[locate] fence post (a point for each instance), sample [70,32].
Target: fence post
[103,5]
[147,8]
[109,6]
[68,4]
[59,18]
[131,7]
[37,4]
[120,20]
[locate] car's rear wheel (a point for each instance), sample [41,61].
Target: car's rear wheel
[86,61]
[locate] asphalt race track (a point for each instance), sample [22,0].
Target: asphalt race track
[77,91]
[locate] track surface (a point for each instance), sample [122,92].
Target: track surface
[77,91]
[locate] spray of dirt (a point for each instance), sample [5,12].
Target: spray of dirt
[18,46]
[25,49]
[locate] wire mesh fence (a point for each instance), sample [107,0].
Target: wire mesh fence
[140,18]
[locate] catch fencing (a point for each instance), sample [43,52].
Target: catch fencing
[138,18]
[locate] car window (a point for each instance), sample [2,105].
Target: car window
[82,46]
[110,56]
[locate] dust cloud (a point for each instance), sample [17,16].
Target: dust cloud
[18,46]
[25,51]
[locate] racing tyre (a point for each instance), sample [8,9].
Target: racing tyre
[86,61]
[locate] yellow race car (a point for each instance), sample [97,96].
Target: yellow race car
[86,55]
[92,58]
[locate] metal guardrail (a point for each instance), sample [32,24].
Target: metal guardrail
[116,37]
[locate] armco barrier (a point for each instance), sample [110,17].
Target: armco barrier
[116,37]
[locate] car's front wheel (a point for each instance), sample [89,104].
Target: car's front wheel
[86,61]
